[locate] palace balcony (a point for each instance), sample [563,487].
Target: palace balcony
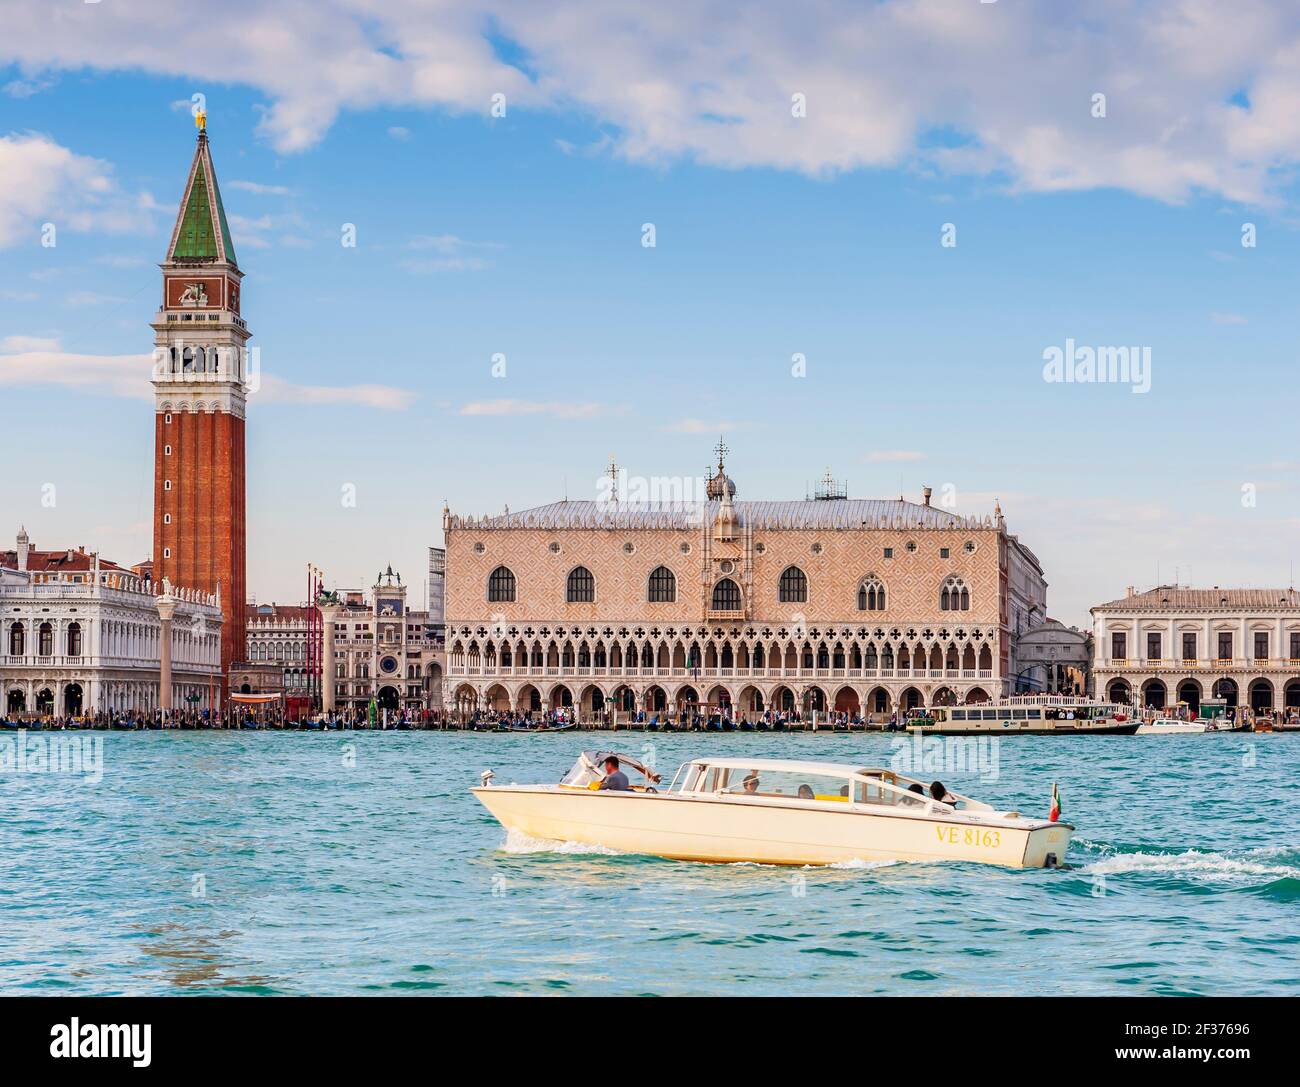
[1220,664]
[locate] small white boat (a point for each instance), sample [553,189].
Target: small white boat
[1169,726]
[773,811]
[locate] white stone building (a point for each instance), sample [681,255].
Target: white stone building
[380,650]
[1175,644]
[81,635]
[277,634]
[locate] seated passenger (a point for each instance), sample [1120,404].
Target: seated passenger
[615,780]
[938,792]
[806,793]
[915,788]
[750,784]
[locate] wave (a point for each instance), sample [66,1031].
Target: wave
[1194,863]
[519,842]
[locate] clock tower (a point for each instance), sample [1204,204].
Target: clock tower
[199,379]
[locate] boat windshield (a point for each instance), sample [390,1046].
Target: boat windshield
[589,768]
[784,783]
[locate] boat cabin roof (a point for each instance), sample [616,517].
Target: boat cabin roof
[837,769]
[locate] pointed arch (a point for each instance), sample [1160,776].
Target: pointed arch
[792,587]
[661,587]
[726,596]
[871,594]
[580,587]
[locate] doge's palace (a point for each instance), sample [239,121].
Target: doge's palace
[825,603]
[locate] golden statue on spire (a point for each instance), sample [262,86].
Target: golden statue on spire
[201,120]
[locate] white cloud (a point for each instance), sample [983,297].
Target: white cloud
[883,456]
[21,344]
[92,298]
[1227,318]
[1200,95]
[38,361]
[274,390]
[397,132]
[454,254]
[558,410]
[703,426]
[121,260]
[26,88]
[46,182]
[260,189]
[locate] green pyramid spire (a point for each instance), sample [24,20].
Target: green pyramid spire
[202,232]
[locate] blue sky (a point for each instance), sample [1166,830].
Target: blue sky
[522,235]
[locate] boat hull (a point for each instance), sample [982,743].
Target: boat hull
[718,830]
[1022,728]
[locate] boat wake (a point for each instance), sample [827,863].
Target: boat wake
[1270,863]
[519,842]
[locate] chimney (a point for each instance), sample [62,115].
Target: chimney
[24,548]
[1130,591]
[925,495]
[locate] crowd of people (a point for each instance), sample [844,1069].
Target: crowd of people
[232,717]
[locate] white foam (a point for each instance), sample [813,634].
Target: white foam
[858,863]
[519,842]
[1191,863]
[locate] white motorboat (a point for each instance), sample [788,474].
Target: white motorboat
[773,811]
[1169,726]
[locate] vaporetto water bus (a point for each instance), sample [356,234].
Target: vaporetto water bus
[1028,715]
[774,811]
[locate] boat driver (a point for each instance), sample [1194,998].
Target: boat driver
[615,780]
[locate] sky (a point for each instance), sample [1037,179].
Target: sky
[872,223]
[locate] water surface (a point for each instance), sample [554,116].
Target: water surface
[358,863]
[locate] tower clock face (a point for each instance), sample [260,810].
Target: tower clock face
[388,664]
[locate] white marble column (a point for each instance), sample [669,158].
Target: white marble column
[166,610]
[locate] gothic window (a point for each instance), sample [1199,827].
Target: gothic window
[74,640]
[45,640]
[582,586]
[793,587]
[871,594]
[726,595]
[501,586]
[954,595]
[663,585]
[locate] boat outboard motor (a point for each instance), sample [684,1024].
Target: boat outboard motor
[485,778]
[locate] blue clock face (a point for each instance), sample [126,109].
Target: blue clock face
[388,664]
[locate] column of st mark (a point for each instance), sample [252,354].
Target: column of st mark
[199,402]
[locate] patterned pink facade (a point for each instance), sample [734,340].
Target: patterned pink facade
[857,606]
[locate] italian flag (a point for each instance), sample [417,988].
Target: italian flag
[1055,812]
